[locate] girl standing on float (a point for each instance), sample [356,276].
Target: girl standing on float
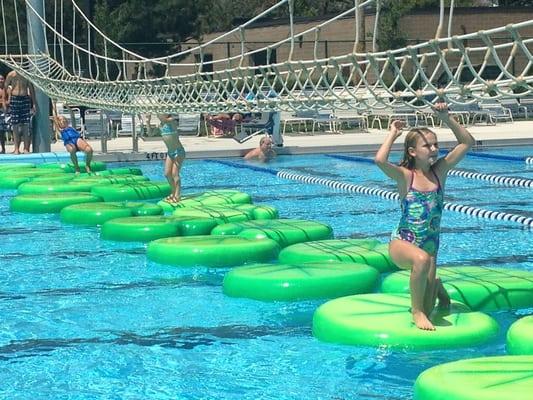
[421,177]
[175,156]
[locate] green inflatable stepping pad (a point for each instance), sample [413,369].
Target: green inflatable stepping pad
[59,177]
[49,202]
[69,167]
[111,179]
[283,231]
[257,211]
[114,171]
[520,337]
[229,213]
[15,180]
[211,251]
[380,319]
[132,191]
[222,215]
[366,251]
[487,378]
[97,213]
[46,186]
[288,282]
[14,167]
[209,198]
[480,288]
[148,228]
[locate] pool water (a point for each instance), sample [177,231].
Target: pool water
[84,318]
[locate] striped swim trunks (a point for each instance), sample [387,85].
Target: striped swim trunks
[20,110]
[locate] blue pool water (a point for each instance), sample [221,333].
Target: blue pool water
[88,319]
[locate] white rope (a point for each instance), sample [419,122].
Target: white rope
[5,28]
[300,84]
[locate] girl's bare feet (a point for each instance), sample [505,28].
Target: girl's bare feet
[171,199]
[422,322]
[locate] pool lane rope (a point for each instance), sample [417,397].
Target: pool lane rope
[502,180]
[527,160]
[386,194]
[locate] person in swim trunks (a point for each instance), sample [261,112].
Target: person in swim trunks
[175,155]
[74,142]
[421,177]
[21,102]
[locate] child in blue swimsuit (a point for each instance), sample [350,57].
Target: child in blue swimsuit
[175,155]
[74,142]
[421,177]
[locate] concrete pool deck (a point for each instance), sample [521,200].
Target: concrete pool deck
[120,149]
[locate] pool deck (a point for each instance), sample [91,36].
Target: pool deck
[120,149]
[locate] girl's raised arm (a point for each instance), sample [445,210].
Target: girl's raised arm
[382,156]
[464,139]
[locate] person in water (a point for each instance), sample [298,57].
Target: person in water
[262,153]
[421,178]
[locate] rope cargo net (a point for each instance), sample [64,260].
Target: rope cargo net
[81,65]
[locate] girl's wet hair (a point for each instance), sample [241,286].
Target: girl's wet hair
[411,138]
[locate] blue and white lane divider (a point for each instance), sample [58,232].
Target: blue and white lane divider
[502,180]
[527,160]
[352,188]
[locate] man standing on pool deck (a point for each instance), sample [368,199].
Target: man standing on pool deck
[21,100]
[421,177]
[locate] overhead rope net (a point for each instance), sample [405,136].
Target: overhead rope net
[81,65]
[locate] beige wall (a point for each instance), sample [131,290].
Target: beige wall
[337,39]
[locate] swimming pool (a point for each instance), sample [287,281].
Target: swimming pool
[85,318]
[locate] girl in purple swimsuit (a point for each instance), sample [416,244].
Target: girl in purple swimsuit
[421,177]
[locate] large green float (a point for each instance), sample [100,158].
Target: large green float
[366,251]
[211,251]
[480,288]
[209,198]
[148,228]
[487,378]
[132,191]
[288,282]
[283,231]
[520,337]
[49,202]
[97,213]
[380,319]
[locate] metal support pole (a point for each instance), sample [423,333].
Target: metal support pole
[41,121]
[103,138]
[134,137]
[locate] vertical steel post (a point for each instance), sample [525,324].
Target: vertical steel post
[37,45]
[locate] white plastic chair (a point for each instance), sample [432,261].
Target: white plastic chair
[189,123]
